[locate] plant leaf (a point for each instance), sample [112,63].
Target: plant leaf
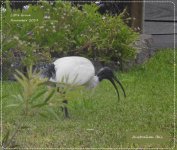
[39,105]
[50,110]
[49,96]
[13,105]
[18,97]
[43,115]
[21,81]
[39,94]
[22,75]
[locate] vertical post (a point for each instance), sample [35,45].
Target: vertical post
[136,12]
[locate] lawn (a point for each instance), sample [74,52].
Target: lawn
[97,119]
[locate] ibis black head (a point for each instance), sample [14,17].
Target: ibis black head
[107,73]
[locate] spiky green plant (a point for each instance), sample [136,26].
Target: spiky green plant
[29,100]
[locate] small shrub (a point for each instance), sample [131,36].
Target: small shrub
[63,30]
[30,100]
[32,91]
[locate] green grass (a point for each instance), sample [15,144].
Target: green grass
[97,119]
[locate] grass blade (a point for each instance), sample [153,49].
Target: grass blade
[24,127]
[5,139]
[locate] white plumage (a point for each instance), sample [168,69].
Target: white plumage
[75,70]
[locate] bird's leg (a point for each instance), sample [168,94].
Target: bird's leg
[58,89]
[65,102]
[65,109]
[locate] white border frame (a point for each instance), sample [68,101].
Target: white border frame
[174,96]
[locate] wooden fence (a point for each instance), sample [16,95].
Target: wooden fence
[159,19]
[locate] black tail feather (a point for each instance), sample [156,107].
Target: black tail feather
[48,71]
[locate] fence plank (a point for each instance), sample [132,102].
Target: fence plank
[163,41]
[160,11]
[151,27]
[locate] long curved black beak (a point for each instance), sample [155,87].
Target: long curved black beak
[113,83]
[107,73]
[116,79]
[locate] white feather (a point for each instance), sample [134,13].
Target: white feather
[93,82]
[75,70]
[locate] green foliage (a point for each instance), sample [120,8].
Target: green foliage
[29,101]
[32,91]
[65,30]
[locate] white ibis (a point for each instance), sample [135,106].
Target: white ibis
[79,71]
